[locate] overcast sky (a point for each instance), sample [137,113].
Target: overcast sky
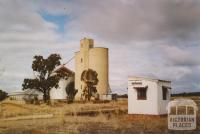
[154,38]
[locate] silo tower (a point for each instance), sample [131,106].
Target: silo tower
[95,58]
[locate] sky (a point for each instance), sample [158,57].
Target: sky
[154,38]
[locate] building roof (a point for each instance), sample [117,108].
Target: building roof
[32,91]
[25,92]
[146,78]
[64,69]
[17,93]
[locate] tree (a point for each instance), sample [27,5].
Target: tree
[45,77]
[3,95]
[71,92]
[89,77]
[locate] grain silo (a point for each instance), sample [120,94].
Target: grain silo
[98,61]
[95,58]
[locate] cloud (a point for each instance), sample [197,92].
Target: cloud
[131,20]
[60,7]
[169,62]
[22,24]
[180,57]
[155,38]
[23,34]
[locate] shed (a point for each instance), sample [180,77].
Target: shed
[148,95]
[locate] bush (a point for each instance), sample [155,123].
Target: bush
[3,95]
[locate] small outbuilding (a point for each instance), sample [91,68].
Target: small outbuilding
[148,96]
[17,95]
[25,95]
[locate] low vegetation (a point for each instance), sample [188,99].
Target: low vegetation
[186,94]
[67,119]
[3,95]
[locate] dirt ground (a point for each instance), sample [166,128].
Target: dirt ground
[101,123]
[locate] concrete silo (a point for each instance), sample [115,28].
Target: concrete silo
[98,58]
[95,58]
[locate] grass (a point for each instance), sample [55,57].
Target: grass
[12,109]
[63,123]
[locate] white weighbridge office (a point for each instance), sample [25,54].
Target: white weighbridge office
[148,96]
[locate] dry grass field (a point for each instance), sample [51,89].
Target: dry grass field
[77,118]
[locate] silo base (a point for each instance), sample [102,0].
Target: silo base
[108,97]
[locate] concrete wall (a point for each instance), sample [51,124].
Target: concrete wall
[98,61]
[60,92]
[78,70]
[163,103]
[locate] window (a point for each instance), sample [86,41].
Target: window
[142,93]
[81,60]
[164,93]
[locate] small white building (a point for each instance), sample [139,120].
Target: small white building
[148,96]
[60,92]
[26,94]
[17,95]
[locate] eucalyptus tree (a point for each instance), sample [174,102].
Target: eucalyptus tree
[45,77]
